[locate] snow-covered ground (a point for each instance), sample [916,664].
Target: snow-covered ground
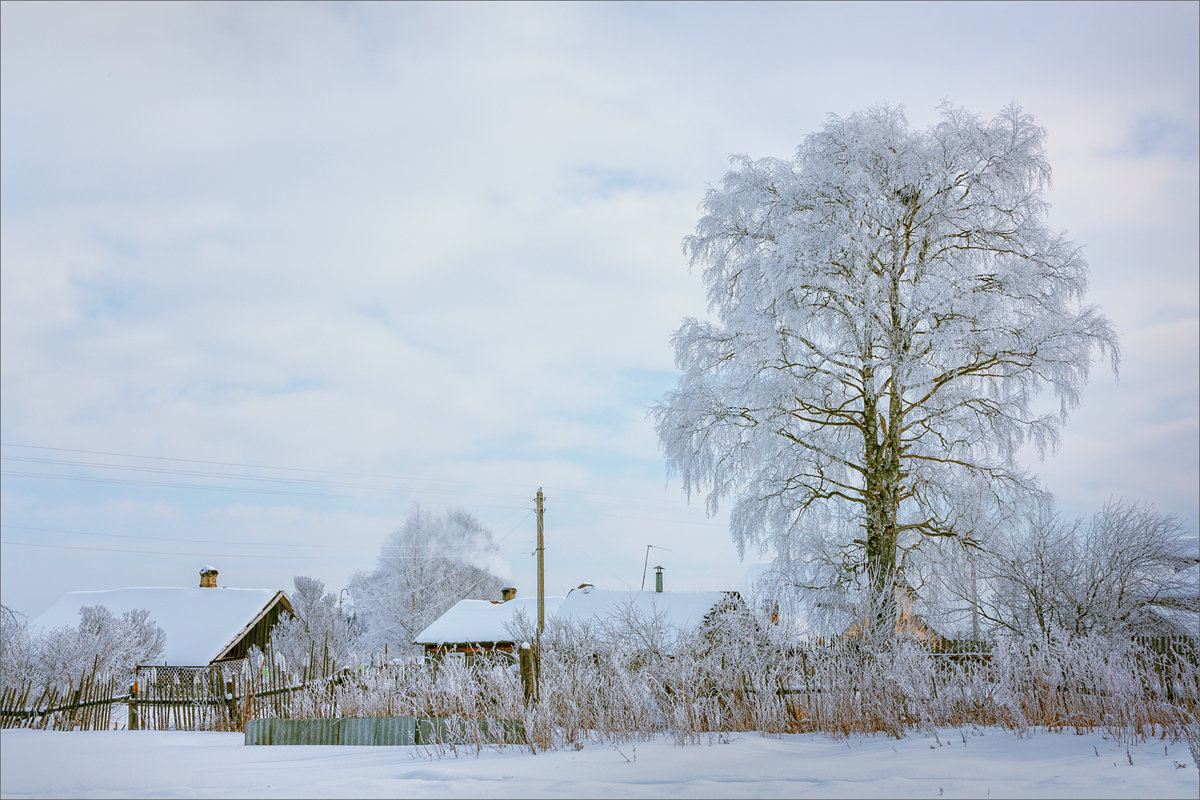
[968,763]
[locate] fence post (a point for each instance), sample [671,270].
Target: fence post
[133,709]
[73,705]
[527,679]
[231,702]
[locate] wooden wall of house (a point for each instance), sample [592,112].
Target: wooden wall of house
[259,634]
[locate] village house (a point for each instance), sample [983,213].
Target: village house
[477,627]
[204,625]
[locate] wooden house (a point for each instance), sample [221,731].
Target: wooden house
[471,628]
[204,625]
[475,627]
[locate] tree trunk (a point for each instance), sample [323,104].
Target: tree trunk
[882,472]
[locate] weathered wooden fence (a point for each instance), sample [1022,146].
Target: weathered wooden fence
[187,698]
[225,697]
[218,697]
[1171,647]
[83,707]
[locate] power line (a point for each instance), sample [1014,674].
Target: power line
[168,485]
[597,498]
[164,538]
[193,473]
[251,466]
[237,489]
[340,546]
[183,460]
[205,554]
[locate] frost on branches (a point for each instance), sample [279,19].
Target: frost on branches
[425,567]
[103,643]
[318,631]
[1128,570]
[889,302]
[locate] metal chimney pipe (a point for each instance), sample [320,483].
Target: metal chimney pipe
[658,580]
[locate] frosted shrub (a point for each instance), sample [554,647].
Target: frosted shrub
[102,645]
[608,686]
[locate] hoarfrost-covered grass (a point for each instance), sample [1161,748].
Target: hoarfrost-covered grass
[605,689]
[949,762]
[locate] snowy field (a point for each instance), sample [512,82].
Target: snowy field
[989,763]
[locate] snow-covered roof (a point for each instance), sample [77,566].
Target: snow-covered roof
[472,621]
[679,610]
[200,623]
[475,621]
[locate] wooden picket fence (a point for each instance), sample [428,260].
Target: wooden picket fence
[222,696]
[219,697]
[187,698]
[83,707]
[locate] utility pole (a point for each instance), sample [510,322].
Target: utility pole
[541,565]
[541,596]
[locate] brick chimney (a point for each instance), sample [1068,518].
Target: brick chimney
[508,593]
[208,577]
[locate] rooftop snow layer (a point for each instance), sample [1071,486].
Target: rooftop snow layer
[482,620]
[473,621]
[199,623]
[679,610]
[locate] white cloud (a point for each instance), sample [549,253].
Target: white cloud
[441,242]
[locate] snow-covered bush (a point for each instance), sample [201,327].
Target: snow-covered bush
[102,643]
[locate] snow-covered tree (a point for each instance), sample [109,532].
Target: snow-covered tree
[889,304]
[1128,569]
[114,645]
[430,563]
[17,661]
[318,630]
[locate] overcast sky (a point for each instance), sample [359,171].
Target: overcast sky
[274,273]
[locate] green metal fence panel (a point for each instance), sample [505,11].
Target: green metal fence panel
[389,731]
[396,730]
[386,731]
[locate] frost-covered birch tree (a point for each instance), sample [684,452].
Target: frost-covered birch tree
[888,303]
[430,563]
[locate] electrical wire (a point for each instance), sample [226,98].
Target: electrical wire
[205,554]
[604,499]
[251,466]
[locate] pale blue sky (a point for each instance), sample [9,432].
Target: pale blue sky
[431,252]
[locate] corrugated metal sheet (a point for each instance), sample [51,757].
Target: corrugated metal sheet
[386,731]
